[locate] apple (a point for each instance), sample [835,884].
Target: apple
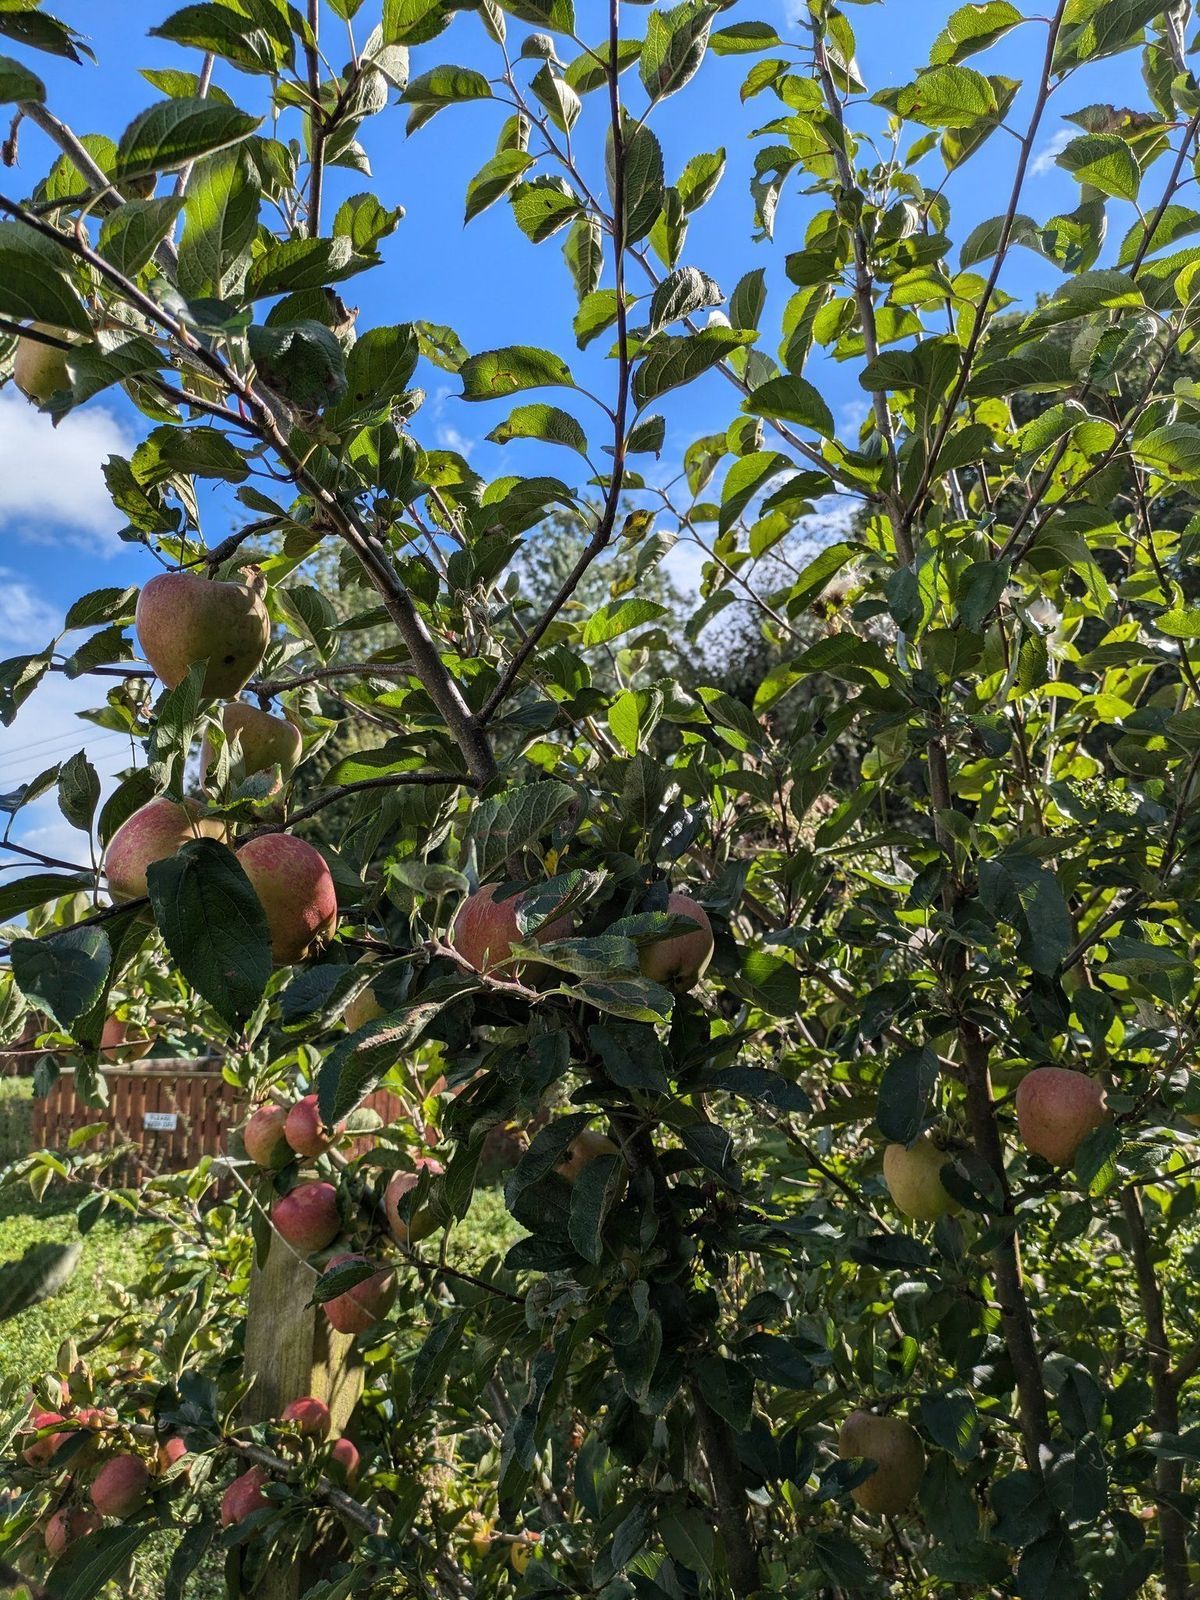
[41,1452]
[678,963]
[307,1216]
[170,1452]
[913,1176]
[304,1130]
[264,1139]
[119,1488]
[345,1459]
[1056,1109]
[266,741]
[362,1009]
[485,929]
[295,889]
[481,1535]
[67,1527]
[582,1151]
[40,370]
[520,1551]
[123,1041]
[405,1228]
[368,1302]
[899,1458]
[310,1415]
[244,1497]
[154,831]
[182,618]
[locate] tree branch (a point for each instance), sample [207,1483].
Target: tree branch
[316,121]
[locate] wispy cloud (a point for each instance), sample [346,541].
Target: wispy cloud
[1043,159]
[51,487]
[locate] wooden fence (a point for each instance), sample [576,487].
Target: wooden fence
[164,1114]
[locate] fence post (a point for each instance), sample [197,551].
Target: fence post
[291,1350]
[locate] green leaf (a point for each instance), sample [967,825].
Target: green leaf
[558,15]
[1102,29]
[494,374]
[791,398]
[173,132]
[86,1567]
[300,264]
[686,1533]
[583,252]
[643,175]
[670,360]
[1023,892]
[236,39]
[62,973]
[948,97]
[674,46]
[40,1273]
[746,479]
[38,889]
[1105,161]
[610,621]
[220,220]
[596,312]
[699,179]
[744,38]
[505,824]
[544,207]
[380,363]
[972,28]
[301,361]
[679,294]
[18,83]
[79,791]
[166,452]
[214,925]
[494,179]
[562,104]
[979,591]
[131,235]
[31,287]
[728,1388]
[358,1062]
[542,422]
[1172,450]
[444,86]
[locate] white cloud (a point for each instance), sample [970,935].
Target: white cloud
[27,622]
[449,438]
[1043,160]
[51,486]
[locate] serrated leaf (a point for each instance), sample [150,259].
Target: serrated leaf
[494,179]
[494,374]
[62,973]
[168,135]
[547,423]
[791,398]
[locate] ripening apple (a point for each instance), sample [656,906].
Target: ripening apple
[480,1535]
[170,1452]
[265,741]
[307,1216]
[368,1302]
[244,1497]
[41,1452]
[123,1041]
[67,1527]
[407,1228]
[119,1488]
[362,1009]
[913,1176]
[1056,1110]
[582,1151]
[310,1415]
[520,1551]
[154,831]
[345,1460]
[304,1130]
[899,1458]
[295,889]
[678,963]
[485,929]
[182,618]
[264,1138]
[40,370]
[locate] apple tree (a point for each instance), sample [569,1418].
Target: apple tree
[835,1037]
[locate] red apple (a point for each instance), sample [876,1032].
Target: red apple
[307,1216]
[345,1458]
[310,1415]
[295,889]
[407,1229]
[244,1497]
[582,1151]
[1056,1109]
[183,618]
[304,1130]
[41,1452]
[913,1176]
[123,1041]
[119,1488]
[678,963]
[171,1451]
[154,831]
[67,1527]
[263,1137]
[367,1303]
[485,929]
[899,1458]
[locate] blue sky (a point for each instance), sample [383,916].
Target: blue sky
[486,281]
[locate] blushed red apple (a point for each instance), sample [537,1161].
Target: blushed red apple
[345,1459]
[295,889]
[368,1302]
[67,1526]
[264,1138]
[41,1451]
[183,618]
[307,1216]
[304,1130]
[265,741]
[1056,1110]
[485,929]
[582,1151]
[155,831]
[244,1497]
[119,1488]
[678,963]
[407,1228]
[310,1415]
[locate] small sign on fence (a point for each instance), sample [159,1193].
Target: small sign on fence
[161,1121]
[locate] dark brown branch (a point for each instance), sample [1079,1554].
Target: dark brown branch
[729,1496]
[316,121]
[46,861]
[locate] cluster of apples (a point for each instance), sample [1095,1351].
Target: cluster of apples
[1057,1107]
[119,1487]
[183,619]
[310,1418]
